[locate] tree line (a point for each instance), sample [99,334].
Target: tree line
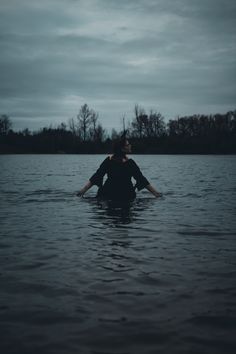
[147,131]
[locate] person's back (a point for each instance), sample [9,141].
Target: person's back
[118,185]
[119,170]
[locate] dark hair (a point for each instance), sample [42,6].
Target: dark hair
[118,145]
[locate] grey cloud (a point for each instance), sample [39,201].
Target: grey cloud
[115,54]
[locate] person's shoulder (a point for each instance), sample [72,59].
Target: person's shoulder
[134,164]
[132,161]
[106,160]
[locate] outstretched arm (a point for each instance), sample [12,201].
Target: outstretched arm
[84,189]
[96,178]
[151,189]
[142,181]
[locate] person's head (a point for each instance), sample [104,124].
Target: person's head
[121,147]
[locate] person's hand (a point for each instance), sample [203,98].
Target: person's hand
[84,189]
[80,193]
[158,195]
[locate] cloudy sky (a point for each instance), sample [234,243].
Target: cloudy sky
[177,57]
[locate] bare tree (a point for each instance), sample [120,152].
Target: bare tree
[5,124]
[84,120]
[100,133]
[93,123]
[157,124]
[139,120]
[72,126]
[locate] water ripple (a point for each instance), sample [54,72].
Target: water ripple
[153,276]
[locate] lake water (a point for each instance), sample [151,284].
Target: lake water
[157,276]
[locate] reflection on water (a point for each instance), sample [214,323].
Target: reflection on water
[114,213]
[151,276]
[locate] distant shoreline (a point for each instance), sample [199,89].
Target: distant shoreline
[148,134]
[136,154]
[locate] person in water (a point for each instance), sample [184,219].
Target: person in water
[119,169]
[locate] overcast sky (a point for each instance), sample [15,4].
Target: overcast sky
[177,57]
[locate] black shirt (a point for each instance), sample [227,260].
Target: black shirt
[118,184]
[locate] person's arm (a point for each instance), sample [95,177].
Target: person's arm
[84,189]
[96,179]
[142,181]
[151,189]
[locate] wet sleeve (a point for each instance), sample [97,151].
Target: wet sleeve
[141,181]
[97,177]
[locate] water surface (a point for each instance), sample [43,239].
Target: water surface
[155,276]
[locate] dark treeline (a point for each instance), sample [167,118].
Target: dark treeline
[147,132]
